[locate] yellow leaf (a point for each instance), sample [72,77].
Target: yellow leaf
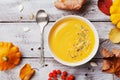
[114,35]
[118,25]
[114,9]
[115,18]
[116,2]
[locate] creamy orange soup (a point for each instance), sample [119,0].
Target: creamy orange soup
[71,40]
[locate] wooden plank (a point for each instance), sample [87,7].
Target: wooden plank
[13,32]
[84,72]
[9,10]
[116,78]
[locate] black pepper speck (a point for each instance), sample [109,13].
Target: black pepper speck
[39,48]
[32,49]
[46,65]
[86,74]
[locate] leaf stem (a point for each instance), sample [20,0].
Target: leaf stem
[113,77]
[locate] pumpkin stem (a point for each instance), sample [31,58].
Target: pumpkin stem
[5,58]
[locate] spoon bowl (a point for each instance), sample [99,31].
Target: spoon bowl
[42,19]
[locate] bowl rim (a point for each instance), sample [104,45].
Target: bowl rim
[93,53]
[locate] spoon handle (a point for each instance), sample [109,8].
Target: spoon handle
[42,60]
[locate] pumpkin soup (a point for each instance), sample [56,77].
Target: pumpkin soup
[71,40]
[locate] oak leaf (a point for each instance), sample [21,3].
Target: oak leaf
[111,61]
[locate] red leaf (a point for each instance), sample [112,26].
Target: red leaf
[104,6]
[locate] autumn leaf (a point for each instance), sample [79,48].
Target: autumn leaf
[111,61]
[104,6]
[114,35]
[115,13]
[26,72]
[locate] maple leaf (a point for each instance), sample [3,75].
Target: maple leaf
[111,61]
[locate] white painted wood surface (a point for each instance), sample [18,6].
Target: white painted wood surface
[93,73]
[11,29]
[9,10]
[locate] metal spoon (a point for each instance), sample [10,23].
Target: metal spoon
[42,20]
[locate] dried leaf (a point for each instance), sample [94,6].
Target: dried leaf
[111,64]
[114,35]
[104,6]
[26,72]
[106,53]
[116,52]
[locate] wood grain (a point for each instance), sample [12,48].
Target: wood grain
[11,29]
[13,32]
[85,72]
[9,10]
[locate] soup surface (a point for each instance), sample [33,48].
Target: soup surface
[71,40]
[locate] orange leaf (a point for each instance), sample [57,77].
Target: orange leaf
[26,72]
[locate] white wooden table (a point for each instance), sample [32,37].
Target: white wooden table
[11,29]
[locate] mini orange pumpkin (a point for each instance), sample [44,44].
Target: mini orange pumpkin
[9,55]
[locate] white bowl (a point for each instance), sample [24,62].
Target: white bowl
[95,47]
